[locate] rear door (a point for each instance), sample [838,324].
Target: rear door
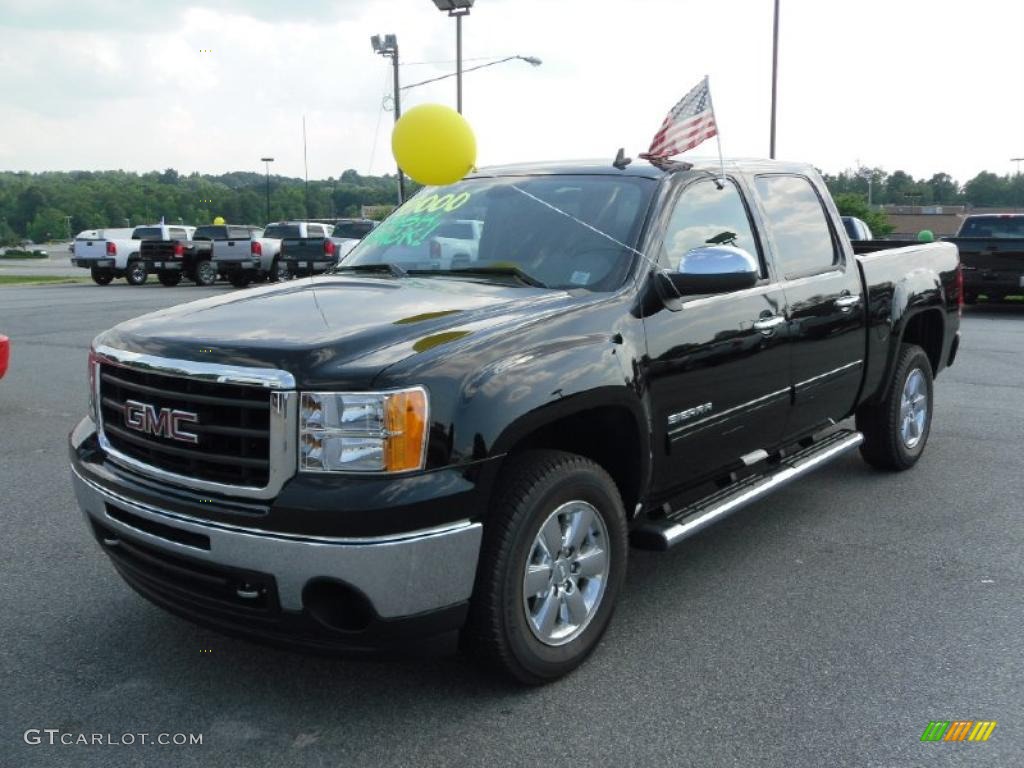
[718,369]
[827,326]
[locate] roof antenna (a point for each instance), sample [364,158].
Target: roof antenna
[621,161]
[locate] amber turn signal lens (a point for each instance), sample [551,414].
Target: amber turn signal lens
[405,420]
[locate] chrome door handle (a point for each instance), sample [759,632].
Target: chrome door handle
[767,325]
[845,303]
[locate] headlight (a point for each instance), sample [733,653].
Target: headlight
[363,431]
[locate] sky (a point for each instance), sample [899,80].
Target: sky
[213,85]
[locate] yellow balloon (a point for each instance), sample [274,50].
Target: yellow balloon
[219,220]
[434,144]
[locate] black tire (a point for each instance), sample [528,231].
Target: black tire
[168,277]
[533,485]
[882,421]
[101,276]
[205,273]
[240,278]
[278,272]
[136,273]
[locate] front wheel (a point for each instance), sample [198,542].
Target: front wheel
[136,273]
[170,278]
[205,273]
[896,427]
[101,276]
[551,566]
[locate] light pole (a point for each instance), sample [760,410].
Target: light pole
[531,60]
[267,161]
[458,9]
[388,47]
[775,76]
[1018,161]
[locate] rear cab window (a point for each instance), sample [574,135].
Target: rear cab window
[993,227]
[799,226]
[282,231]
[147,233]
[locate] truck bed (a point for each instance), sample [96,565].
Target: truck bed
[925,271]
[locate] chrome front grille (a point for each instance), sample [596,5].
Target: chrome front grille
[237,434]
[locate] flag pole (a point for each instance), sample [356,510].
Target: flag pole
[718,130]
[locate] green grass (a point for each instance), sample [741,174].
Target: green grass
[39,279]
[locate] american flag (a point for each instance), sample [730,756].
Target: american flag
[690,122]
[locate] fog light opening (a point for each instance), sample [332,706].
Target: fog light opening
[337,606]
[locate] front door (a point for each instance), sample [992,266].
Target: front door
[718,369]
[826,309]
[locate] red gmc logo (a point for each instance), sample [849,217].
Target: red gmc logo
[166,422]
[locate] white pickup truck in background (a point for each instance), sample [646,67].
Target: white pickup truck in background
[456,243]
[115,253]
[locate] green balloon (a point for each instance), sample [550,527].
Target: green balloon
[926,236]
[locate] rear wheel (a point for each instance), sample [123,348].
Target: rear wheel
[279,271]
[240,278]
[136,273]
[896,428]
[551,566]
[205,273]
[170,278]
[101,276]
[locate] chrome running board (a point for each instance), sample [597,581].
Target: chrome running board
[681,524]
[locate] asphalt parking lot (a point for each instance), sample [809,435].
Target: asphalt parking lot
[825,626]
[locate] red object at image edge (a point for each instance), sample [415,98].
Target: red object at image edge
[5,354]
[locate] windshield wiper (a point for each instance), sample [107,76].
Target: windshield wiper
[393,269]
[511,271]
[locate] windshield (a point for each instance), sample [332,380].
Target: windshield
[147,233]
[352,230]
[993,226]
[281,231]
[543,226]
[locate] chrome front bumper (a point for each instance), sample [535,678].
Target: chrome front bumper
[400,575]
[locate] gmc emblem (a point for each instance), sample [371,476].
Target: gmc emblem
[143,417]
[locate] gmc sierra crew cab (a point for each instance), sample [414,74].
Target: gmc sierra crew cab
[404,450]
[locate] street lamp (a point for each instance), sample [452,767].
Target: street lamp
[388,47]
[531,60]
[267,161]
[458,9]
[775,77]
[1018,161]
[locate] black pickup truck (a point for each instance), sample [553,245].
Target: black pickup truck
[403,450]
[302,256]
[992,250]
[176,258]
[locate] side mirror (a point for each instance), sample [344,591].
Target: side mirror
[715,269]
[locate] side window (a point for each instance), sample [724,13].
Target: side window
[177,233]
[800,229]
[705,214]
[317,230]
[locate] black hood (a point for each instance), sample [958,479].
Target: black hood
[328,330]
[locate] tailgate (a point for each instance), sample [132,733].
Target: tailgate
[232,250]
[90,249]
[304,249]
[991,254]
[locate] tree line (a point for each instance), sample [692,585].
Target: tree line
[56,204]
